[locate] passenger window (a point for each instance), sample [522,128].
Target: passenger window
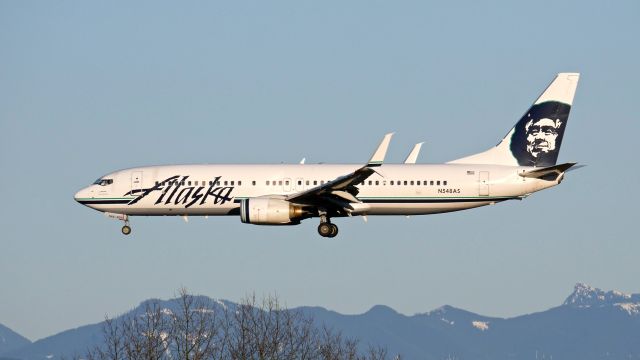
[405,182]
[299,182]
[280,182]
[418,182]
[444,182]
[370,182]
[431,182]
[253,183]
[411,182]
[232,182]
[210,183]
[307,182]
[321,182]
[377,182]
[315,182]
[438,182]
[267,182]
[286,182]
[399,182]
[391,182]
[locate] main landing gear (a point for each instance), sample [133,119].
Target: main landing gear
[326,228]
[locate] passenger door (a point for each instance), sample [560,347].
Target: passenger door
[483,183]
[136,182]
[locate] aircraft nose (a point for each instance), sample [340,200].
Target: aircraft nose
[77,196]
[80,194]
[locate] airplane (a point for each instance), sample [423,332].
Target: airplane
[524,162]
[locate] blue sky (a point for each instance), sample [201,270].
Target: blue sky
[91,87]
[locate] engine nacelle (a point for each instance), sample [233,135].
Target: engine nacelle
[270,211]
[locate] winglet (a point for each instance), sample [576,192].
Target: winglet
[378,157]
[413,155]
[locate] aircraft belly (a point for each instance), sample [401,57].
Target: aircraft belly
[422,208]
[142,210]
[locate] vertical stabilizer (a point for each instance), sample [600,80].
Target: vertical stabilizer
[535,140]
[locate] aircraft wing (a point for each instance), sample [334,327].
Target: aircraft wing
[341,191]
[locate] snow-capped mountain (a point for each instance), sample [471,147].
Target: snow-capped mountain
[75,342]
[11,340]
[590,324]
[585,296]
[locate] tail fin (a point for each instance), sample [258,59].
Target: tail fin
[535,140]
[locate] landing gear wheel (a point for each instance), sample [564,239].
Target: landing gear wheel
[325,229]
[334,230]
[126,230]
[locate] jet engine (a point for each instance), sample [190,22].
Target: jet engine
[271,211]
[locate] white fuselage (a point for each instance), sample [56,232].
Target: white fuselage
[524,161]
[396,189]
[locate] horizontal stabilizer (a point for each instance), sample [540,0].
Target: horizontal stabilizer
[576,167]
[548,173]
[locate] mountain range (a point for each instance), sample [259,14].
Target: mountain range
[10,340]
[590,324]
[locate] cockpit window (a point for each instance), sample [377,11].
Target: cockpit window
[103,182]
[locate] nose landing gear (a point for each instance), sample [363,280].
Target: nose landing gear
[126,229]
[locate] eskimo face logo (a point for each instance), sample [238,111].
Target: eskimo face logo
[542,135]
[538,135]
